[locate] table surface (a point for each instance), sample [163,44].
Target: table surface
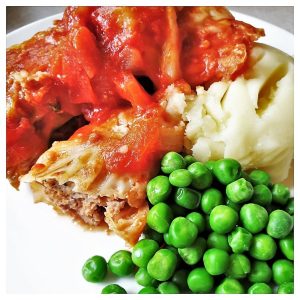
[282,16]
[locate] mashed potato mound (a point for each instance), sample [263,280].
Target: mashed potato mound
[250,119]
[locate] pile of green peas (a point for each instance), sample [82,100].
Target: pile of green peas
[211,228]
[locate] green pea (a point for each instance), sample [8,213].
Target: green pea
[286,246]
[286,288]
[280,193]
[180,178]
[120,263]
[227,170]
[260,288]
[94,269]
[200,281]
[260,177]
[262,195]
[192,254]
[260,272]
[182,232]
[143,278]
[113,289]
[168,287]
[189,159]
[180,279]
[289,208]
[162,265]
[198,220]
[143,251]
[223,219]
[216,261]
[159,217]
[210,165]
[172,161]
[158,189]
[240,240]
[263,247]
[201,176]
[210,199]
[230,286]
[239,266]
[187,198]
[280,224]
[148,290]
[283,271]
[151,234]
[254,217]
[216,240]
[239,191]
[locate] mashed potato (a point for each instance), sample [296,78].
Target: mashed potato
[249,119]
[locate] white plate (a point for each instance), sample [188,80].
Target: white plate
[45,252]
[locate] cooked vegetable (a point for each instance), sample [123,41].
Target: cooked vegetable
[200,281]
[113,289]
[94,269]
[120,263]
[260,288]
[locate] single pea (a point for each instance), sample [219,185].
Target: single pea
[168,287]
[180,279]
[239,191]
[182,232]
[143,251]
[230,286]
[216,261]
[94,269]
[198,220]
[260,288]
[236,206]
[187,198]
[158,189]
[178,211]
[280,224]
[260,177]
[192,254]
[162,265]
[283,271]
[240,240]
[189,159]
[148,290]
[200,281]
[180,178]
[217,240]
[254,217]
[286,288]
[280,194]
[223,219]
[120,263]
[227,170]
[239,266]
[286,246]
[263,247]
[210,199]
[289,208]
[201,176]
[209,165]
[260,272]
[159,217]
[151,234]
[172,161]
[143,278]
[113,289]
[262,195]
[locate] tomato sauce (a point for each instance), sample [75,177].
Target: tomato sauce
[89,64]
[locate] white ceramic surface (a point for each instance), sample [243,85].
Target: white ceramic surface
[45,251]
